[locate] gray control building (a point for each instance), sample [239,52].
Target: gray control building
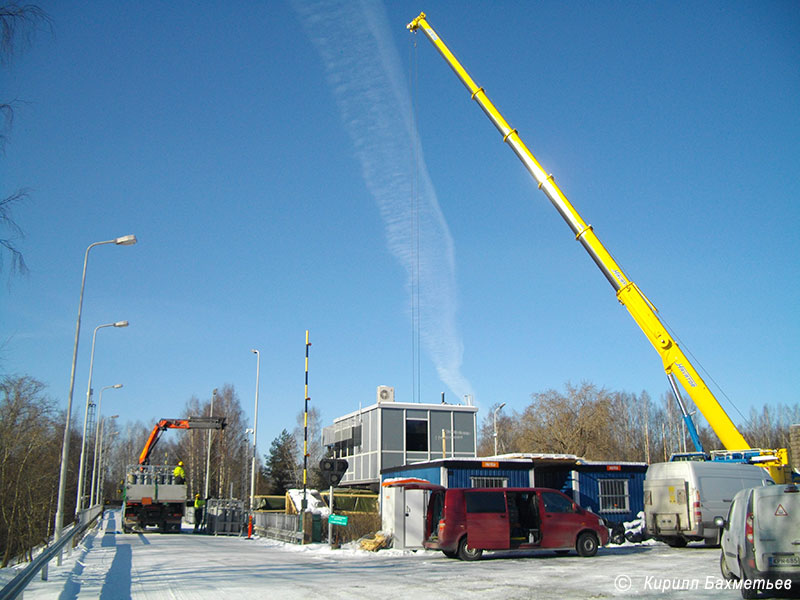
[390,434]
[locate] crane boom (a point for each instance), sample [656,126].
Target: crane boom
[675,362]
[190,423]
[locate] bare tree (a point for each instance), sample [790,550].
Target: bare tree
[18,23]
[315,449]
[507,432]
[29,464]
[230,454]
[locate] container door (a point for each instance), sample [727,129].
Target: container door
[487,520]
[415,518]
[666,506]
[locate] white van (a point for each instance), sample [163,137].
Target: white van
[761,540]
[682,498]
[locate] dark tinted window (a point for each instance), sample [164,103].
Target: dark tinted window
[556,503]
[486,502]
[416,436]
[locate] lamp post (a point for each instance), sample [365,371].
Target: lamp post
[495,426]
[126,240]
[255,434]
[79,499]
[97,434]
[101,476]
[208,456]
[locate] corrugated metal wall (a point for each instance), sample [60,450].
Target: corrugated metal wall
[460,478]
[590,493]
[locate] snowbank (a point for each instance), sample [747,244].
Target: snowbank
[315,503]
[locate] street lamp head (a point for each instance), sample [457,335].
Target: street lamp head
[117,386]
[501,406]
[113,416]
[125,240]
[121,324]
[254,351]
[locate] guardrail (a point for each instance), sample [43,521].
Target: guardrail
[15,587]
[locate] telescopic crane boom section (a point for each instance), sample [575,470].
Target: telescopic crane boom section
[675,362]
[190,423]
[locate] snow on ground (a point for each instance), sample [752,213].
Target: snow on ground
[110,565]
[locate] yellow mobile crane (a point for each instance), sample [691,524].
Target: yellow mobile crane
[676,364]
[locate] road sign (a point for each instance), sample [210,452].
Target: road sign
[337,519]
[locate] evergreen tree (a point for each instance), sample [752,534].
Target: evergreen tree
[281,463]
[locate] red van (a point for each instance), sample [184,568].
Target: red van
[463,522]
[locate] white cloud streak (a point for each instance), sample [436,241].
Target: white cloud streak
[365,74]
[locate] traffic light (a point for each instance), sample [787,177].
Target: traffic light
[333,470]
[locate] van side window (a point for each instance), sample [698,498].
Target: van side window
[730,515]
[556,503]
[485,502]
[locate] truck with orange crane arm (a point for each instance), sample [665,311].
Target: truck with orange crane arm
[676,364]
[152,494]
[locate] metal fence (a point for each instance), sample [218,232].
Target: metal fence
[278,526]
[225,517]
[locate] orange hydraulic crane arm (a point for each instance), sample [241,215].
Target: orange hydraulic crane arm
[190,423]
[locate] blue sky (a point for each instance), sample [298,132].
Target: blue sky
[263,155]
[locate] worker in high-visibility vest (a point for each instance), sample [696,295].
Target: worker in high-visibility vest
[179,474]
[199,505]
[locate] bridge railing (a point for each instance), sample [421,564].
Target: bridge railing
[14,588]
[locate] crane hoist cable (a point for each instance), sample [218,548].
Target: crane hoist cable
[415,225]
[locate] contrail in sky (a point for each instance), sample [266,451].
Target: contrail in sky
[365,74]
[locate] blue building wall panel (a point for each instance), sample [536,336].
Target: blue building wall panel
[461,478]
[432,474]
[588,482]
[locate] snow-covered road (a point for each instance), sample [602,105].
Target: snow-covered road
[110,565]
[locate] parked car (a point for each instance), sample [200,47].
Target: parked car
[463,522]
[761,538]
[682,498]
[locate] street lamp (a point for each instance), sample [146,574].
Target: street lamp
[255,434]
[208,456]
[495,426]
[126,240]
[97,434]
[79,500]
[101,476]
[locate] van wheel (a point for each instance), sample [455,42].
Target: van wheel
[675,542]
[586,544]
[467,553]
[723,567]
[747,590]
[748,593]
